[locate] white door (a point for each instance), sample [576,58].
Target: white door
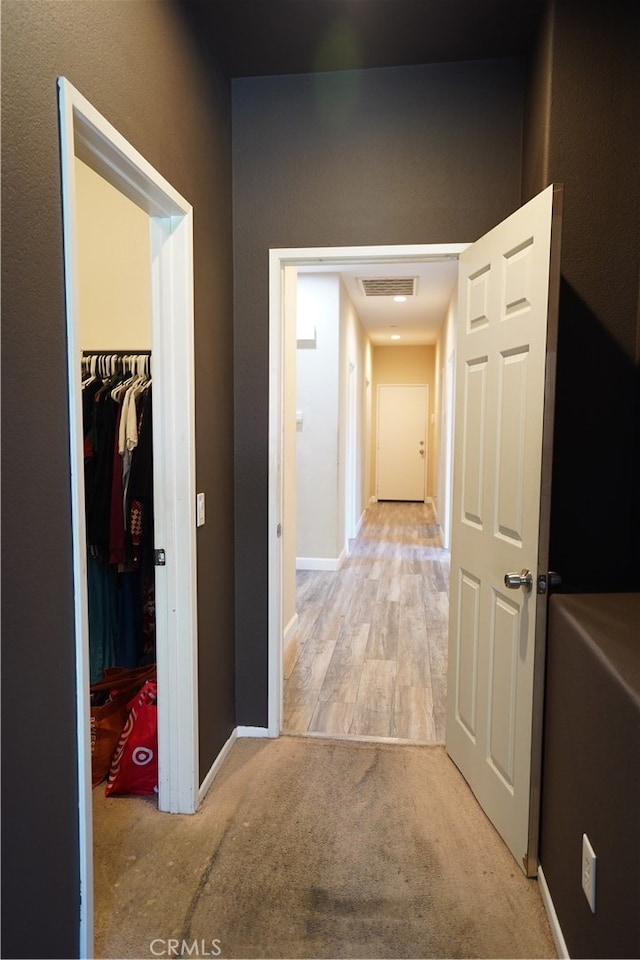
[402,441]
[496,655]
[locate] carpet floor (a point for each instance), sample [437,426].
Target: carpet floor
[313,848]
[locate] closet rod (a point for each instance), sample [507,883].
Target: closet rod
[116,353]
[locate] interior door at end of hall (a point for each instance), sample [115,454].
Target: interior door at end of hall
[505,355]
[402,441]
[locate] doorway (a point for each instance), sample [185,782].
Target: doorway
[87,136]
[281,260]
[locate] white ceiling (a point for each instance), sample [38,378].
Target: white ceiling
[419,318]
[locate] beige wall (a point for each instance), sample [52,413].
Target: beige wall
[443,439]
[355,349]
[114,256]
[403,365]
[318,459]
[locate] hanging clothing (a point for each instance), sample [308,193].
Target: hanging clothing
[118,460]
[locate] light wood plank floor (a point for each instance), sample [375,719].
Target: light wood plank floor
[369,658]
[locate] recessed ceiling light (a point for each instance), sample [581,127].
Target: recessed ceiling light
[395,336]
[399,299]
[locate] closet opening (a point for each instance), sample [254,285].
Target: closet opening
[155,357]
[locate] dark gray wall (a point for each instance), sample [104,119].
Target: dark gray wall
[402,155]
[592,770]
[138,67]
[582,130]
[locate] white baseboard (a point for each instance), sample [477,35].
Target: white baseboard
[373,500]
[552,916]
[252,732]
[321,563]
[205,786]
[289,630]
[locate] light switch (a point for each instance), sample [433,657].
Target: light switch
[200,510]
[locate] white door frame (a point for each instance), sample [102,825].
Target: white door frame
[85,134]
[278,259]
[351,497]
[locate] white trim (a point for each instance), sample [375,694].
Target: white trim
[276,511]
[78,532]
[321,563]
[214,770]
[84,133]
[259,732]
[552,916]
[278,259]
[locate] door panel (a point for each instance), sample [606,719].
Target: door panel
[504,287]
[402,441]
[475,373]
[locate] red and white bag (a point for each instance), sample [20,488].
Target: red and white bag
[134,767]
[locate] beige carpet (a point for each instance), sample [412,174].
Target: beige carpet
[315,848]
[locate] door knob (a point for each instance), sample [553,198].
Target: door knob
[524,579]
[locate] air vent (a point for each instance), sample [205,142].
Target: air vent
[388,286]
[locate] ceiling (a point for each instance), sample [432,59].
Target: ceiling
[418,319]
[253,38]
[265,37]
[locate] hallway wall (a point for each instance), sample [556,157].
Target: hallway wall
[397,155]
[318,508]
[136,64]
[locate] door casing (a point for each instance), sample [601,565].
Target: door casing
[85,134]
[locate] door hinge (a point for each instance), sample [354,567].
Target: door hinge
[279,530]
[159,558]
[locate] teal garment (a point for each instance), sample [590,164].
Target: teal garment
[102,587]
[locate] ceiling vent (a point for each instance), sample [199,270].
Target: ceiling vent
[387,286]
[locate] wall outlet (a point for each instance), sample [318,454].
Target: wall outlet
[589,872]
[200,510]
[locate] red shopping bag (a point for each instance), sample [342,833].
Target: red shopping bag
[134,767]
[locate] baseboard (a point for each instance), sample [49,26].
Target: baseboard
[289,630]
[552,916]
[373,500]
[205,786]
[252,732]
[321,563]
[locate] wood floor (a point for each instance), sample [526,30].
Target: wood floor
[369,658]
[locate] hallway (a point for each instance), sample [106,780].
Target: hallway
[369,658]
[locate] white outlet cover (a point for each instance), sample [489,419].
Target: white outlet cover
[200,510]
